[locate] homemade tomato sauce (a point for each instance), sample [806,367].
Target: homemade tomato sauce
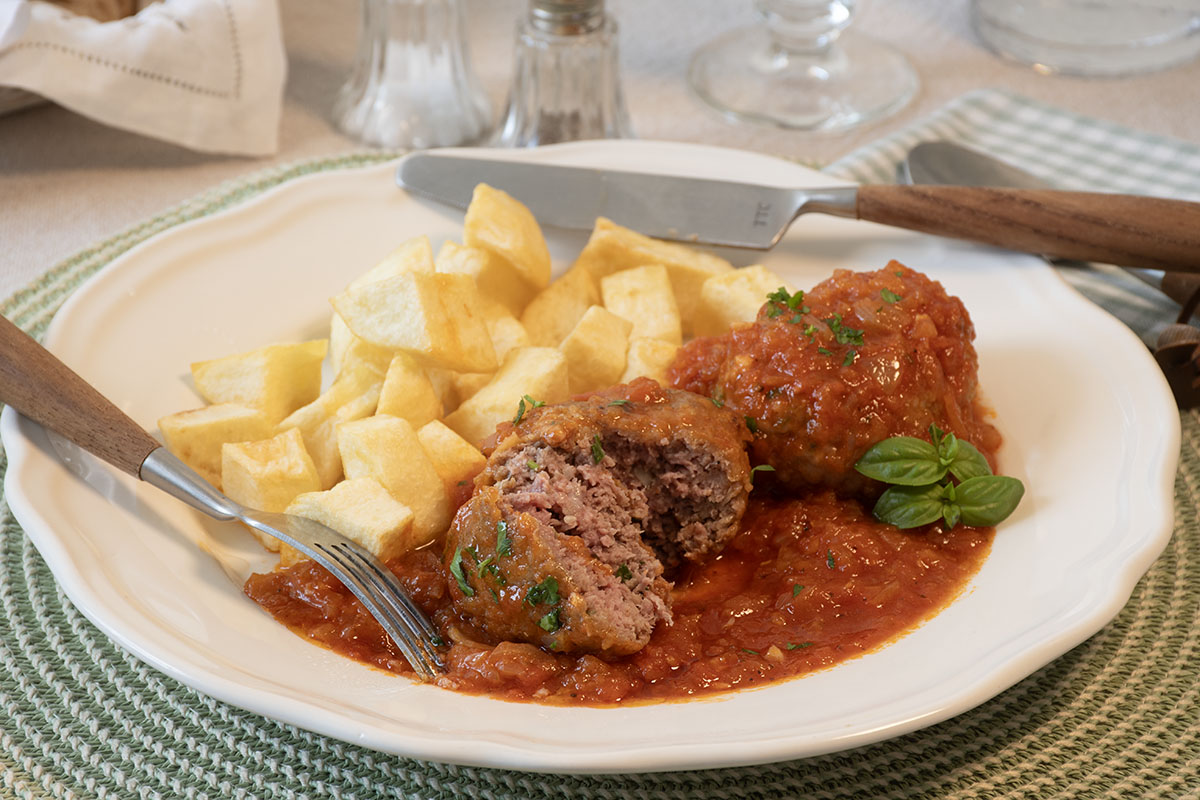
[807,583]
[811,579]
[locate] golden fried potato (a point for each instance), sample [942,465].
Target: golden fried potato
[277,379]
[500,224]
[494,275]
[734,297]
[551,315]
[355,394]
[436,317]
[364,512]
[387,449]
[643,296]
[268,474]
[612,248]
[407,392]
[595,350]
[648,358]
[540,372]
[455,459]
[507,334]
[195,437]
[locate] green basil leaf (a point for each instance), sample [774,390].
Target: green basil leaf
[947,449]
[902,460]
[968,462]
[951,514]
[987,500]
[910,506]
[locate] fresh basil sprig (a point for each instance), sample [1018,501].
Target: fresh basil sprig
[944,478]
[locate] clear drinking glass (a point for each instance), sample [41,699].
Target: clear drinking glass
[1091,37]
[412,85]
[566,85]
[800,70]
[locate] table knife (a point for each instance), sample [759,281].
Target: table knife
[1148,232]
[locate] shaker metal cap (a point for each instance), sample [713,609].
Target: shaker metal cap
[566,17]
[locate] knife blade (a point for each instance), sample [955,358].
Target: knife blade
[1147,232]
[696,210]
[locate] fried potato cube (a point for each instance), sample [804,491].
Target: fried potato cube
[414,255]
[456,460]
[407,392]
[387,449]
[494,275]
[643,296]
[734,297]
[613,248]
[195,437]
[551,315]
[648,358]
[436,317]
[500,224]
[507,334]
[364,512]
[278,378]
[595,350]
[353,395]
[540,372]
[346,349]
[268,474]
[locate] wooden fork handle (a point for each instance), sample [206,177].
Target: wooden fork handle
[1132,231]
[47,391]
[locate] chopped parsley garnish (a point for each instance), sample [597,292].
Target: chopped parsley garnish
[841,333]
[752,424]
[503,543]
[533,465]
[619,403]
[521,407]
[898,274]
[798,646]
[796,318]
[456,569]
[483,565]
[829,562]
[495,594]
[597,450]
[545,592]
[748,650]
[495,572]
[849,359]
[717,403]
[761,468]
[549,622]
[774,311]
[890,296]
[623,572]
[783,297]
[810,330]
[797,589]
[825,351]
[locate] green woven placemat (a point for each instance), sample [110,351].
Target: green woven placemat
[1116,717]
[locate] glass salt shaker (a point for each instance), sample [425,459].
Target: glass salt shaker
[566,84]
[412,84]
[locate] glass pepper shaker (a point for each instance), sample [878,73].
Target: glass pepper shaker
[412,84]
[566,84]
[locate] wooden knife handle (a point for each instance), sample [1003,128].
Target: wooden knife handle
[1128,230]
[44,389]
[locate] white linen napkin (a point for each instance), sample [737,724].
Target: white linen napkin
[204,74]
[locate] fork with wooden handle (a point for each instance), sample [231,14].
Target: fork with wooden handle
[44,389]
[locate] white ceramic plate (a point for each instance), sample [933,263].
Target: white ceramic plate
[1090,426]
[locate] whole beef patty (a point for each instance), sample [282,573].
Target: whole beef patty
[826,374]
[585,508]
